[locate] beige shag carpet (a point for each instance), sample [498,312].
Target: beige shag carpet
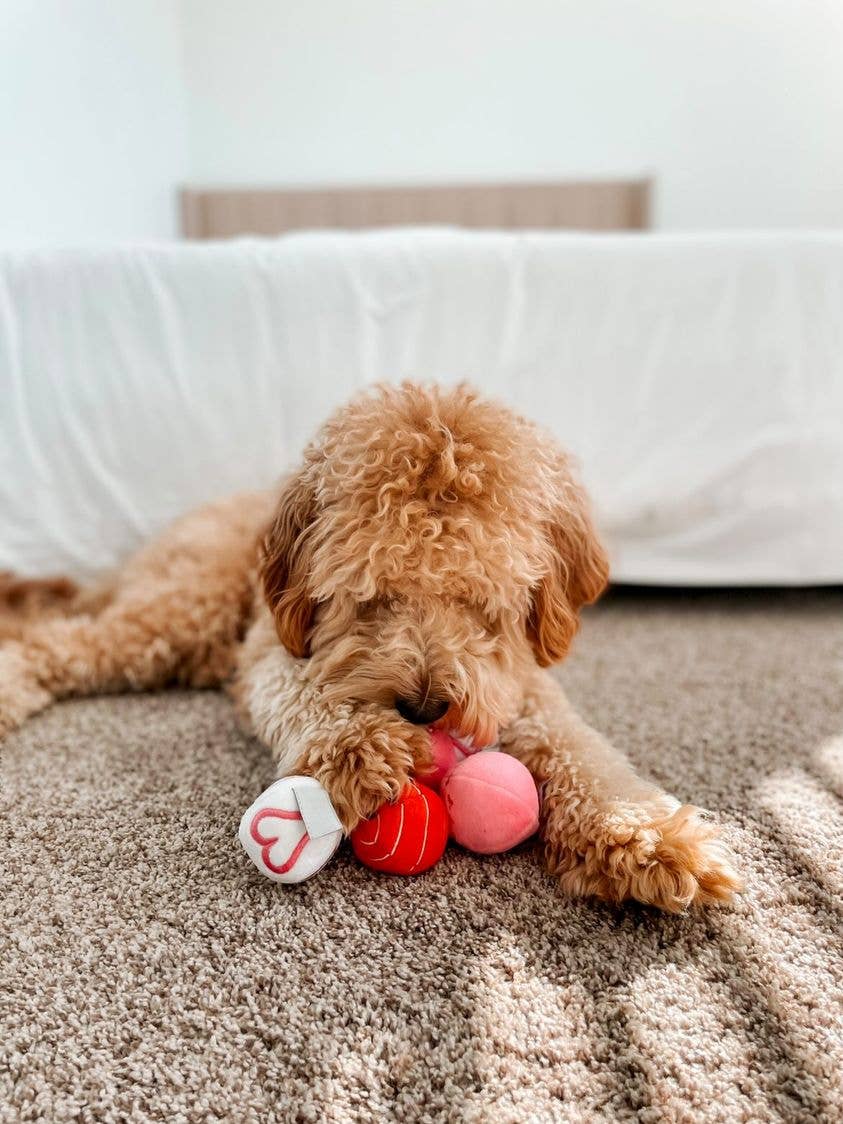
[148,973]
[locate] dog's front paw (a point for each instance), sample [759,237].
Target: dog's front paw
[671,861]
[366,763]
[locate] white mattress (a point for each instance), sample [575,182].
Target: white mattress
[698,379]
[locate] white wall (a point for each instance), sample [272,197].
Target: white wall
[734,105]
[106,106]
[92,120]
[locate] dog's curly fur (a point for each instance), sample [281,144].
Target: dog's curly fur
[432,550]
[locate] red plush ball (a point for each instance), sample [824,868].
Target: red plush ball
[406,836]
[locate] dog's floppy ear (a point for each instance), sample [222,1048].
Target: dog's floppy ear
[285,557]
[577,574]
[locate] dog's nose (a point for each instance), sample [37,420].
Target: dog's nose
[421,713]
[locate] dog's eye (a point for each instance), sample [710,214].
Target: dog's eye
[375,605]
[480,612]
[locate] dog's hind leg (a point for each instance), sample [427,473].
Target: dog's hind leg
[135,643]
[175,615]
[25,601]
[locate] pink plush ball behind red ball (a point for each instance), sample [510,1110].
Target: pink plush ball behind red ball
[492,802]
[446,754]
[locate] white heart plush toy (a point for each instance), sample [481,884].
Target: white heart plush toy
[291,830]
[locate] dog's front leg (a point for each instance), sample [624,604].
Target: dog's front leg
[607,832]
[364,759]
[361,753]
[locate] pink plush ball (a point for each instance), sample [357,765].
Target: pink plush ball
[446,754]
[492,802]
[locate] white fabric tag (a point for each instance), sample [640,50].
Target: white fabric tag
[317,811]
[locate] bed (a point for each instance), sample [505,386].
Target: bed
[698,379]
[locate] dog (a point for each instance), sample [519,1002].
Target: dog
[423,566]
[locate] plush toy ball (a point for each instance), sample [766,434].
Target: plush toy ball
[466,745]
[446,754]
[404,837]
[492,802]
[291,830]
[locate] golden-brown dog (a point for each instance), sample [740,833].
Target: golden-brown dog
[422,566]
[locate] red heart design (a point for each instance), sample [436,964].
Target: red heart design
[268,843]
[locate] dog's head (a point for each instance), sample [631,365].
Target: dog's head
[431,547]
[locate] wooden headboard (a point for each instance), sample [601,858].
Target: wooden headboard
[601,205]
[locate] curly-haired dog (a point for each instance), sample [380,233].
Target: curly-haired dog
[423,565]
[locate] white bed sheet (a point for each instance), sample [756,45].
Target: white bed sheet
[698,379]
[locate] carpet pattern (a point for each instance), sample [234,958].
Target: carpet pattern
[148,973]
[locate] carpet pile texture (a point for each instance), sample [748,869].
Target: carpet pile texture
[148,973]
